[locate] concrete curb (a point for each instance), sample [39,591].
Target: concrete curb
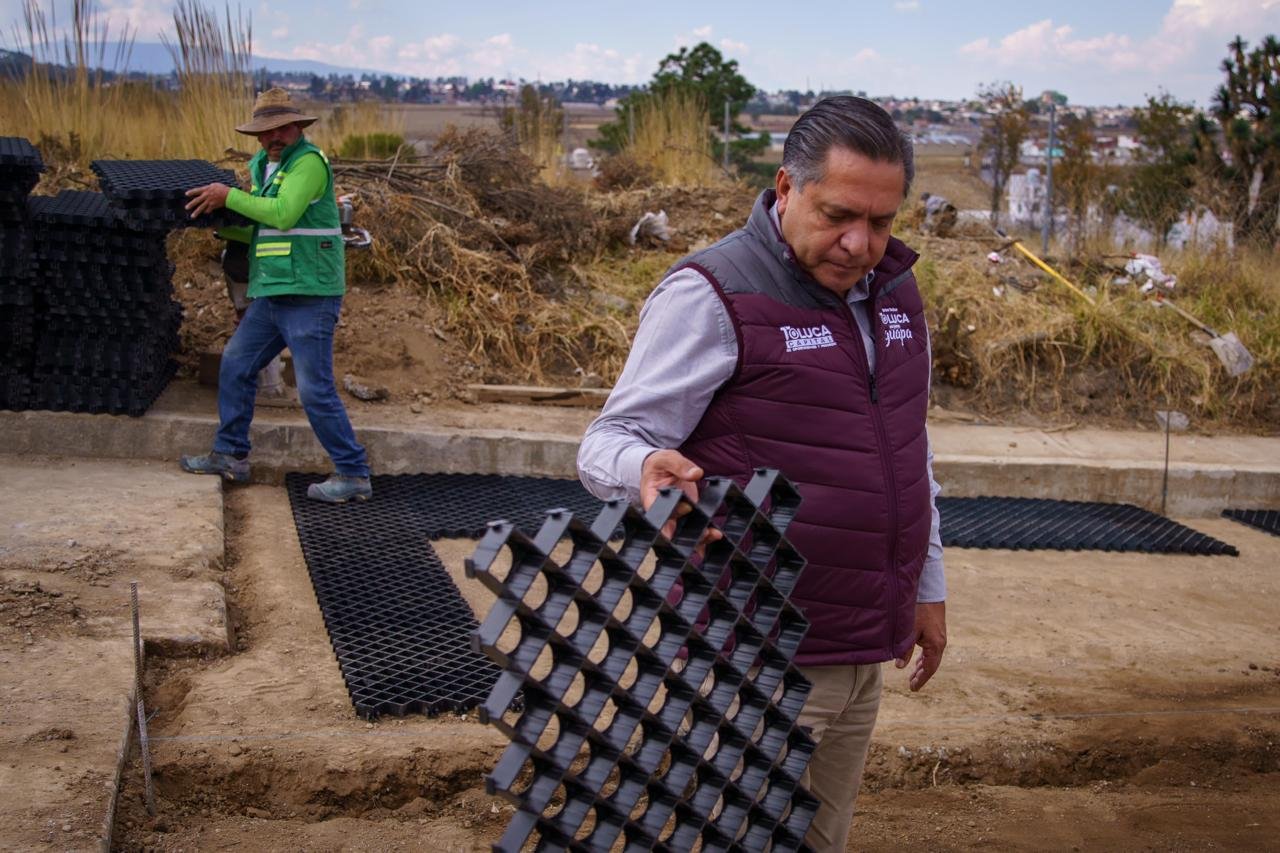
[1195,488]
[282,447]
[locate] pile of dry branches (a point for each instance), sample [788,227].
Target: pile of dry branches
[474,224]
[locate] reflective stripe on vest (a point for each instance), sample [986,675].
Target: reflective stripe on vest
[271,250]
[300,232]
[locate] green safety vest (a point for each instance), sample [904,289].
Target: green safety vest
[307,259]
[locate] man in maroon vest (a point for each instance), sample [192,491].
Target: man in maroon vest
[799,343]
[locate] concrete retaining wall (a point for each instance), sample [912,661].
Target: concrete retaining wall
[1195,489]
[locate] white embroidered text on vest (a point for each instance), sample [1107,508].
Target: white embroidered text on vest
[807,337]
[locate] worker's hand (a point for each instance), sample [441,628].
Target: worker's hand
[207,199]
[931,637]
[664,468]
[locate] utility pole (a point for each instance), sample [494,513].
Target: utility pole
[726,136]
[1046,230]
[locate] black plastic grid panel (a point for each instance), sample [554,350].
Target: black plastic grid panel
[1041,524]
[645,731]
[152,193]
[20,168]
[100,395]
[17,152]
[73,207]
[1266,520]
[400,629]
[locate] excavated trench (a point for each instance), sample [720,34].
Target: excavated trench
[262,750]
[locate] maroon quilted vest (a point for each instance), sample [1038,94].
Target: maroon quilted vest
[803,400]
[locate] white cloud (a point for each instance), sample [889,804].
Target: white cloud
[697,34]
[143,19]
[907,5]
[729,46]
[1044,45]
[1189,28]
[867,54]
[494,56]
[280,33]
[589,61]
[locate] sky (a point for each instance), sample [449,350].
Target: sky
[1097,52]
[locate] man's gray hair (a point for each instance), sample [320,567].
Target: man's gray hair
[857,124]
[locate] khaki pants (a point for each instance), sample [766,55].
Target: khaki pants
[841,711]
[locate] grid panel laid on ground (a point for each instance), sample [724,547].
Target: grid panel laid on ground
[1266,520]
[1041,524]
[400,628]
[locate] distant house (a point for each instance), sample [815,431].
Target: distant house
[1024,198]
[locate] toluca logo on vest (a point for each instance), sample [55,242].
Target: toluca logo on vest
[807,337]
[896,325]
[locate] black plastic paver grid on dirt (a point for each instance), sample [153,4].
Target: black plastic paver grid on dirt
[1266,520]
[152,193]
[621,741]
[1041,524]
[399,627]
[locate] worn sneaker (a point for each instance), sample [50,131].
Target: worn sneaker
[339,489]
[233,469]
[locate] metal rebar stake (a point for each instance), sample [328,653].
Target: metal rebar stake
[1164,486]
[143,743]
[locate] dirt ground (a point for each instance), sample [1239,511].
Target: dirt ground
[1087,701]
[73,534]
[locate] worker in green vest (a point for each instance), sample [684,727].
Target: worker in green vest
[296,281]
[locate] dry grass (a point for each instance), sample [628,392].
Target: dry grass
[86,115]
[363,119]
[538,126]
[214,76]
[941,170]
[671,139]
[495,247]
[1040,349]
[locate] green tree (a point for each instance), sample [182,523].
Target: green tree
[1247,108]
[1159,186]
[704,70]
[1006,125]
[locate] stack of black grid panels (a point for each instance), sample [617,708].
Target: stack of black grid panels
[152,194]
[87,317]
[20,168]
[110,322]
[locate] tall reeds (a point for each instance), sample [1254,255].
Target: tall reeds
[213,62]
[71,92]
[538,124]
[672,138]
[75,95]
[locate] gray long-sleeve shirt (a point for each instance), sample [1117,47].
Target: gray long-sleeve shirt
[668,382]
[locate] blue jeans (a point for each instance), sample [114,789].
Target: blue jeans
[304,324]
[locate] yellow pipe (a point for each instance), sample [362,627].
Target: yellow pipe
[1051,271]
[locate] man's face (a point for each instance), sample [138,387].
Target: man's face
[839,226]
[279,138]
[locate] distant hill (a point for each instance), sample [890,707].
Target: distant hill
[154,58]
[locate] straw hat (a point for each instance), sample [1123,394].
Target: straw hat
[274,108]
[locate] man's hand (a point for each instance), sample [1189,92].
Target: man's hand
[931,637]
[664,468]
[207,199]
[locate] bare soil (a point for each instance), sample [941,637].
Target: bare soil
[1086,701]
[73,534]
